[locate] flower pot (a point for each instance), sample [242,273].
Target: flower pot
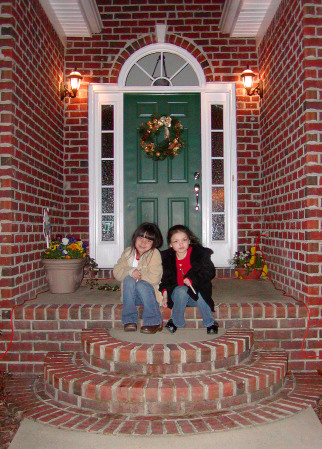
[64,275]
[253,274]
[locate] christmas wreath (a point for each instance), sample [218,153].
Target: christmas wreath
[172,143]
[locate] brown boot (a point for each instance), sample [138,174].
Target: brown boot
[130,327]
[151,329]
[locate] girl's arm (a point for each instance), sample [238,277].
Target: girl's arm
[169,276]
[151,271]
[121,268]
[164,299]
[202,271]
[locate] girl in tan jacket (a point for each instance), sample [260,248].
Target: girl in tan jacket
[140,270]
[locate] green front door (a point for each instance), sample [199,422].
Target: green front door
[162,192]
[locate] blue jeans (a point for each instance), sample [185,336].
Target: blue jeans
[181,300]
[140,293]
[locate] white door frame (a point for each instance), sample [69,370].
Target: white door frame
[107,253]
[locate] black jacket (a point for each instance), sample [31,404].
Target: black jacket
[201,272]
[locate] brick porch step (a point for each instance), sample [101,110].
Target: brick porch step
[68,379]
[104,351]
[26,393]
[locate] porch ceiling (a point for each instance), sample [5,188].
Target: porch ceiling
[73,18]
[248,18]
[81,18]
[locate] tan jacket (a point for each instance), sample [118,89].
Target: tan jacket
[150,267]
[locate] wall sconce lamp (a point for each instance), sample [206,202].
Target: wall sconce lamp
[248,79]
[74,80]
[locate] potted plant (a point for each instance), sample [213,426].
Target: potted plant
[64,263]
[249,264]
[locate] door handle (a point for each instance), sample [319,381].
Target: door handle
[196,189]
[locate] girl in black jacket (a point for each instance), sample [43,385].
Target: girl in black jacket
[186,279]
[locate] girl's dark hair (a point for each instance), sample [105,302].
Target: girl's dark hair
[194,241]
[149,231]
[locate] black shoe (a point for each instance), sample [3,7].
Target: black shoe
[213,329]
[171,327]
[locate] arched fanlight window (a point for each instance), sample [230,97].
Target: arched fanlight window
[161,68]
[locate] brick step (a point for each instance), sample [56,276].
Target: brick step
[70,380]
[25,393]
[104,351]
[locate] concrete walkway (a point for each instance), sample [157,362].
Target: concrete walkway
[301,431]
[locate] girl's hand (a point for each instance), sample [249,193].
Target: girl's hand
[164,303]
[187,282]
[136,275]
[165,300]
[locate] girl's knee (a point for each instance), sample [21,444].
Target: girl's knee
[129,280]
[180,294]
[143,286]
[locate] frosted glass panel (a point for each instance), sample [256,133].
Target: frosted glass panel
[107,228]
[218,203]
[217,144]
[217,171]
[107,117]
[107,145]
[107,200]
[218,227]
[216,116]
[107,173]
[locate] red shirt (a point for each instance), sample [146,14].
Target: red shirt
[183,266]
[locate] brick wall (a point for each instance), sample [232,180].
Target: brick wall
[31,145]
[289,59]
[128,27]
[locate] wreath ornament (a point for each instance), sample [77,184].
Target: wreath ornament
[172,144]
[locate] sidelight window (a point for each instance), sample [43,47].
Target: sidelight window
[107,170]
[217,173]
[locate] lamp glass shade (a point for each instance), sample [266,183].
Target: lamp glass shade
[248,77]
[248,82]
[75,80]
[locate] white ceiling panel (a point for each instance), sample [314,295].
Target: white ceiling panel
[248,18]
[73,18]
